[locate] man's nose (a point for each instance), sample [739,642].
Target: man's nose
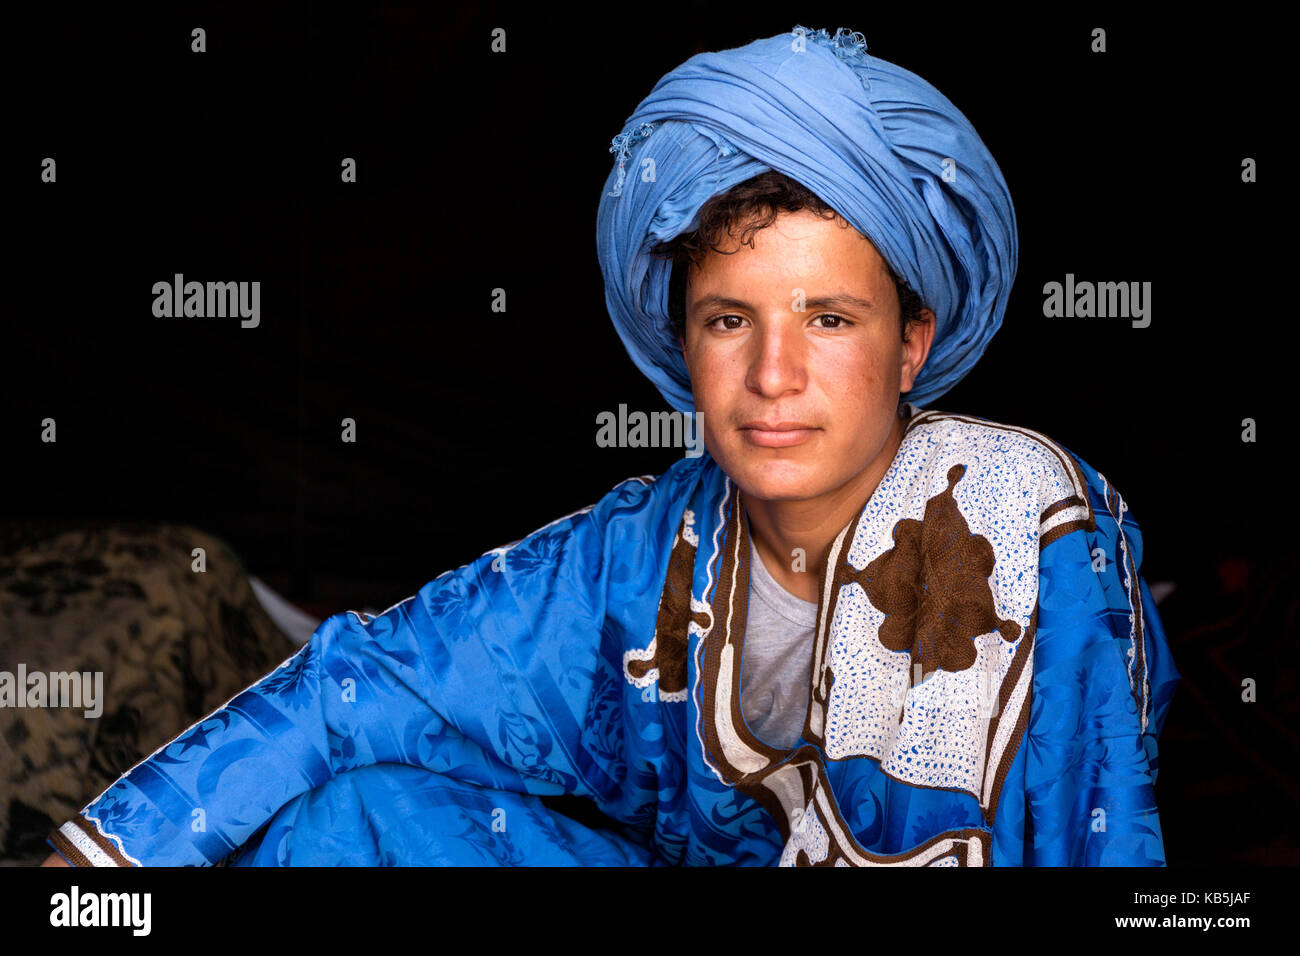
[777,363]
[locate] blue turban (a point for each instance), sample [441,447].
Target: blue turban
[878,144]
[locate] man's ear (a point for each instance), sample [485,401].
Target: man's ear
[916,348]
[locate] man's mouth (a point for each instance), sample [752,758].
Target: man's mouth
[777,434]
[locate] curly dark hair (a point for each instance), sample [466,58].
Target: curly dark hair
[756,202]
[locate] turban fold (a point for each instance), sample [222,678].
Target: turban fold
[878,144]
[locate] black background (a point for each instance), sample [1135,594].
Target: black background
[479,170]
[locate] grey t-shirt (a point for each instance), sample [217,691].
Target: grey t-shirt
[776,661]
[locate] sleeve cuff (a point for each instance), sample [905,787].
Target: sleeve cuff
[80,843]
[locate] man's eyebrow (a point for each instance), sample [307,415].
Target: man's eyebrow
[839,300]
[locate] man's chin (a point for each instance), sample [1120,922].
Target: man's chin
[777,483]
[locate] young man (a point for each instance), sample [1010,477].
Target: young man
[855,632]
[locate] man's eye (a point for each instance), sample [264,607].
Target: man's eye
[828,321]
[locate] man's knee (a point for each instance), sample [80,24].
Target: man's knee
[395,815]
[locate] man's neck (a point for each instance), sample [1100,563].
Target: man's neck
[794,538]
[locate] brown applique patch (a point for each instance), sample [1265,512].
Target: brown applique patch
[933,587]
[673,622]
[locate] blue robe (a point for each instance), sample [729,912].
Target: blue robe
[989,680]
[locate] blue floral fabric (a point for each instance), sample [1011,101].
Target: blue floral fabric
[592,658]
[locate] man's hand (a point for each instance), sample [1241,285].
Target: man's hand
[55,860]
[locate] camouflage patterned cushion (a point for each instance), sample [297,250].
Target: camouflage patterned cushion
[171,643]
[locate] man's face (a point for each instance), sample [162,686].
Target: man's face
[797,403]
